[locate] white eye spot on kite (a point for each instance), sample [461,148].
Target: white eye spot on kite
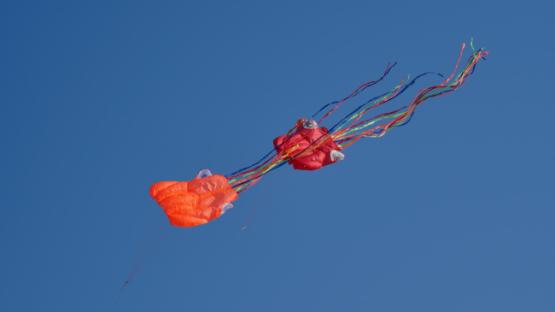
[336,155]
[310,124]
[226,207]
[204,173]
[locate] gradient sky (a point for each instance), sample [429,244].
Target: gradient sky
[453,212]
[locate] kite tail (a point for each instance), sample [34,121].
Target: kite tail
[355,129]
[246,179]
[331,107]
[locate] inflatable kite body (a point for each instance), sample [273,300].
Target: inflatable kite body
[306,134]
[195,202]
[306,146]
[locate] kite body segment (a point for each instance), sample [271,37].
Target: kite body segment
[195,202]
[295,146]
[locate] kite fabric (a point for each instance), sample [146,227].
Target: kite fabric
[306,146]
[195,202]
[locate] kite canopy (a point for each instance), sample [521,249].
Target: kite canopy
[308,147]
[195,202]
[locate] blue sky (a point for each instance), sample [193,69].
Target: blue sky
[453,212]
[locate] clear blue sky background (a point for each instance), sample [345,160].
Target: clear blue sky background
[454,212]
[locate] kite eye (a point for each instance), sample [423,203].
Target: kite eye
[336,155]
[310,124]
[203,173]
[226,207]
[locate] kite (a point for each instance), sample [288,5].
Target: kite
[308,145]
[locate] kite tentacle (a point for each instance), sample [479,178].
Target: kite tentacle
[403,115]
[357,91]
